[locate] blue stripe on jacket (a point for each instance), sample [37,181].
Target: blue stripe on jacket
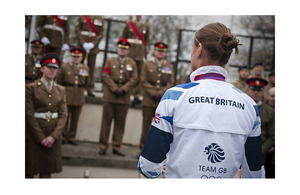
[157,145]
[253,153]
[172,94]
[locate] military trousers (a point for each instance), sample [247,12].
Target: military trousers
[148,114]
[116,112]
[91,63]
[70,130]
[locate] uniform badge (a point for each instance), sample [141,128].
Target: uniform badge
[83,72]
[97,22]
[38,65]
[128,67]
[166,70]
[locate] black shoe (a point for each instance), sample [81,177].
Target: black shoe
[91,94]
[116,152]
[63,141]
[136,101]
[102,152]
[73,143]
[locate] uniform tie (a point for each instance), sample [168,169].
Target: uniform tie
[49,86]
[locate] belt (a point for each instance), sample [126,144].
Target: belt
[136,41]
[46,115]
[88,33]
[74,85]
[54,27]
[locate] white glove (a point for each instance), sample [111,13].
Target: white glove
[86,47]
[65,47]
[91,45]
[45,41]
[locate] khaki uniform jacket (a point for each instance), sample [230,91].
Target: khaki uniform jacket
[75,82]
[39,99]
[155,80]
[136,50]
[32,69]
[83,27]
[267,116]
[242,87]
[56,37]
[116,74]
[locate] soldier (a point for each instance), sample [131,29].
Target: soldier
[46,116]
[258,70]
[74,77]
[157,76]
[137,33]
[119,77]
[271,83]
[89,32]
[243,76]
[267,116]
[54,32]
[32,62]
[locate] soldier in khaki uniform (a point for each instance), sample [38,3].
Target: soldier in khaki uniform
[243,76]
[119,77]
[32,62]
[54,32]
[89,32]
[74,77]
[267,116]
[46,116]
[157,76]
[137,33]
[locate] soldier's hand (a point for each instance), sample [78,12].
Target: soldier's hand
[86,47]
[156,97]
[45,41]
[119,91]
[65,47]
[48,142]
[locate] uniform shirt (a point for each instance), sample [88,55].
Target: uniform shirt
[32,68]
[136,49]
[118,73]
[75,79]
[241,86]
[82,27]
[204,129]
[47,26]
[156,78]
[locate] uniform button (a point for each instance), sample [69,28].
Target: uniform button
[158,81]
[50,96]
[159,69]
[121,77]
[33,72]
[121,71]
[122,66]
[159,75]
[49,104]
[76,77]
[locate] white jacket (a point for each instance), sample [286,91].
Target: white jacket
[204,129]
